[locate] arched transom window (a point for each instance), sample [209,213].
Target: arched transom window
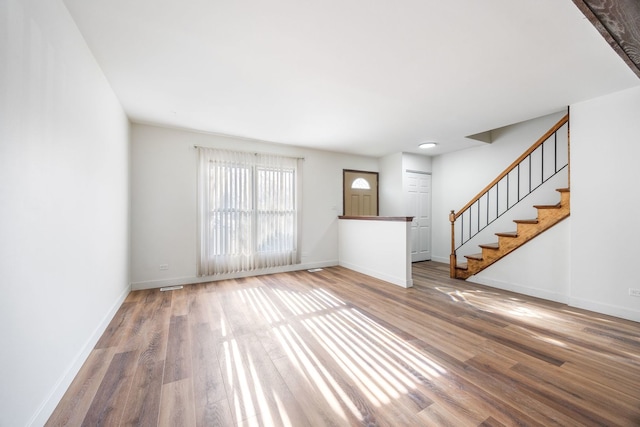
[360,184]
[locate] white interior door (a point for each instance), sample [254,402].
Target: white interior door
[418,199]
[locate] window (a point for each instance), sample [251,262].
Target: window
[360,184]
[248,211]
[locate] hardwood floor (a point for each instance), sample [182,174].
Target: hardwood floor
[336,348]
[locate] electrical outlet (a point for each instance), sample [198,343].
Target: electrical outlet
[164,266]
[634,292]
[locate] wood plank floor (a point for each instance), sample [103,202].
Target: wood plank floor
[337,348]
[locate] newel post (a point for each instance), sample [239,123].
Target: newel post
[452,258]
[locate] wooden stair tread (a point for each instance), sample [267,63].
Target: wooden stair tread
[490,245]
[526,221]
[507,234]
[556,206]
[548,215]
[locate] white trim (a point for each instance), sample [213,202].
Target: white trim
[420,172]
[50,403]
[190,280]
[524,290]
[606,309]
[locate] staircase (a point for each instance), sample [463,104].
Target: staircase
[527,229]
[546,158]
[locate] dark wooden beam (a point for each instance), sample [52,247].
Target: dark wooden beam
[619,23]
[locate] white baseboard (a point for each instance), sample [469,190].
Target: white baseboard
[440,259]
[610,310]
[190,280]
[525,290]
[596,307]
[47,407]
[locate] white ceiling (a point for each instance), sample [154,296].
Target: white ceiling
[372,77]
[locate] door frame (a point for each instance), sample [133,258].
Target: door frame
[414,230]
[344,183]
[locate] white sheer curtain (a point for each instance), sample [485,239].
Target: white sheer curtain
[248,209]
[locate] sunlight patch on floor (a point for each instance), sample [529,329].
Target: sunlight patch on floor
[380,364]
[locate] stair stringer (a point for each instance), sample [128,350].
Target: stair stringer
[526,230]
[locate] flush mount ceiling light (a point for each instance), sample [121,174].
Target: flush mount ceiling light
[427,145]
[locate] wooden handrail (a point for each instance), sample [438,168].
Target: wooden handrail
[453,216]
[512,166]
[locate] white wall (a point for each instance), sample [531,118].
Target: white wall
[459,176]
[164,201]
[64,161]
[379,249]
[540,268]
[605,203]
[586,260]
[416,162]
[391,199]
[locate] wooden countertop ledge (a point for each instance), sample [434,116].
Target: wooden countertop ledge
[378,218]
